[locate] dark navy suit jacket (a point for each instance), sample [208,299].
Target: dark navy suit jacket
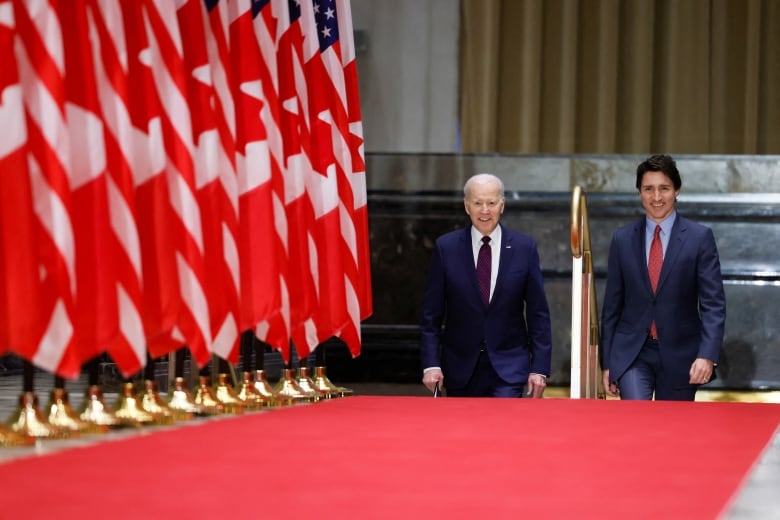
[514,328]
[689,307]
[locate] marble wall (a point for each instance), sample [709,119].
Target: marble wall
[415,198]
[726,174]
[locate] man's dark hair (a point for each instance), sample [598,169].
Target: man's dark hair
[659,163]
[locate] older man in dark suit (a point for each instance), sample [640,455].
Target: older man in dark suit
[664,305]
[485,329]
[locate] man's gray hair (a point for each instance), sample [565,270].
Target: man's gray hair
[483,178]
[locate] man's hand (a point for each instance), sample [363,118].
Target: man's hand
[701,371]
[431,377]
[609,386]
[536,385]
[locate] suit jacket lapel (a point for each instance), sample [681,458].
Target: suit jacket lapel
[506,253]
[676,240]
[640,253]
[467,257]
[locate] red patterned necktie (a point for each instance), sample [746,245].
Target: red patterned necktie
[654,264]
[484,259]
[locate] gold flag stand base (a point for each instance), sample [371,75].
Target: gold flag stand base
[63,416]
[127,408]
[180,399]
[205,398]
[266,390]
[289,388]
[28,420]
[152,403]
[94,410]
[322,382]
[224,392]
[11,439]
[307,385]
[248,393]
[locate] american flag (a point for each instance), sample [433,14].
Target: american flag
[338,59]
[314,93]
[175,174]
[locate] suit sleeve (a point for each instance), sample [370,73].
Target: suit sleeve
[712,299]
[613,303]
[537,316]
[433,308]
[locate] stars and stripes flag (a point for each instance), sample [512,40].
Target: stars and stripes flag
[356,190]
[334,30]
[336,141]
[175,173]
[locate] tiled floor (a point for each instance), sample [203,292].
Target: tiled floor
[757,499]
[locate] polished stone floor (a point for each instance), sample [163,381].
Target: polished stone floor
[758,497]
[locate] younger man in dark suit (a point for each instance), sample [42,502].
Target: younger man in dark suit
[664,305]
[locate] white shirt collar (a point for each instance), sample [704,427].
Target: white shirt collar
[495,236]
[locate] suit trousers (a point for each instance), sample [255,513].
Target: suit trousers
[646,376]
[485,382]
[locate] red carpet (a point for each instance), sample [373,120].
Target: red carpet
[411,457]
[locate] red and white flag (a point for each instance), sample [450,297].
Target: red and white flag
[337,101]
[40,61]
[289,181]
[125,152]
[263,226]
[140,137]
[181,172]
[19,285]
[357,186]
[96,318]
[205,55]
[164,59]
[313,175]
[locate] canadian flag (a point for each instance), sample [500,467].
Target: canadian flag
[19,273]
[41,67]
[178,173]
[124,153]
[96,319]
[164,60]
[138,128]
[207,83]
[314,179]
[263,225]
